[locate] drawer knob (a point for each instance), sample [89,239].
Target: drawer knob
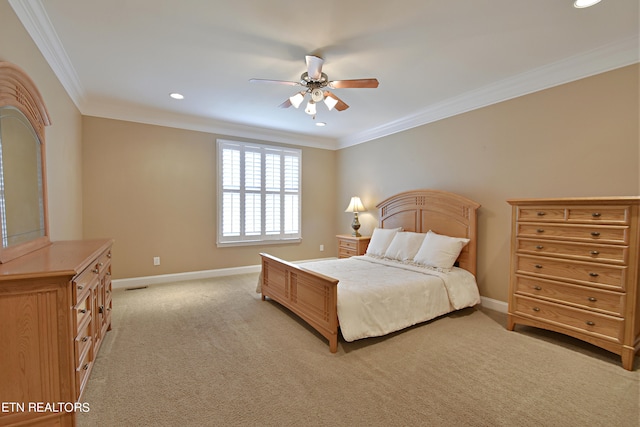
[592,299]
[101,309]
[80,287]
[592,274]
[595,233]
[540,230]
[537,288]
[596,214]
[100,264]
[541,213]
[83,311]
[109,255]
[594,252]
[86,366]
[538,266]
[539,247]
[590,323]
[536,309]
[85,339]
[95,270]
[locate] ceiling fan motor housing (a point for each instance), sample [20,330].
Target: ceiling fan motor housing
[308,81]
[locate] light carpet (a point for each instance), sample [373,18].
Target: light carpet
[211,353]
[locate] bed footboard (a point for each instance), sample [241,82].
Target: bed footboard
[310,295]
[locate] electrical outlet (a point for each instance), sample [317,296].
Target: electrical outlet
[156,260]
[321,248]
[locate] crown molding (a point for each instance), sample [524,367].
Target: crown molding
[36,21]
[596,61]
[205,124]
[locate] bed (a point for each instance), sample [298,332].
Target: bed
[400,282]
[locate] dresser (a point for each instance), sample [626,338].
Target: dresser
[349,246]
[574,270]
[55,309]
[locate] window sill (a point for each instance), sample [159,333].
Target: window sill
[258,242]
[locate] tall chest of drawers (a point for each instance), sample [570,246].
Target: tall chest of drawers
[574,270]
[55,309]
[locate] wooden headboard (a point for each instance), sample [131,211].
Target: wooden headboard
[440,211]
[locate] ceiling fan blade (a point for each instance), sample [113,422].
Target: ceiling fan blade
[357,83]
[340,104]
[314,67]
[282,82]
[285,104]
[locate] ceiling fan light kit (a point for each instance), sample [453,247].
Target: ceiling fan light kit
[315,81]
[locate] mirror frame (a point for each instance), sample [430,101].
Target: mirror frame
[18,90]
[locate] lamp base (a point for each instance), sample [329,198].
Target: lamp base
[355,225]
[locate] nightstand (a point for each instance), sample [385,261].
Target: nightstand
[349,246]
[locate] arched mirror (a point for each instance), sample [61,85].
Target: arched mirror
[24,226]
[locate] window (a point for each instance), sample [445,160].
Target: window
[259,193]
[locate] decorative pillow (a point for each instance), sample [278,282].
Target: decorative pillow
[439,251]
[404,245]
[380,240]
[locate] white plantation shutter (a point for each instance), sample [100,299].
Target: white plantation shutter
[258,193]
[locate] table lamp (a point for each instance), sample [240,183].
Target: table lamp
[355,206]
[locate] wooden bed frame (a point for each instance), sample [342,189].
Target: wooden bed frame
[314,297]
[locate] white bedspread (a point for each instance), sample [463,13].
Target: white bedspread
[376,296]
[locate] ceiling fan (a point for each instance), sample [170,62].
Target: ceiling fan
[315,83]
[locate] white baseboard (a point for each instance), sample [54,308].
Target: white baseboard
[494,304]
[136,282]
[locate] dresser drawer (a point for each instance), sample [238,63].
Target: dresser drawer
[346,253]
[103,263]
[609,276]
[82,343]
[82,312]
[593,323]
[83,282]
[82,371]
[541,213]
[601,300]
[599,214]
[584,233]
[581,251]
[348,245]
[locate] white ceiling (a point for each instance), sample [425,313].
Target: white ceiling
[121,58]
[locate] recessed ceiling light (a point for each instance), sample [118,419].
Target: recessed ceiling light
[320,124]
[584,3]
[176,95]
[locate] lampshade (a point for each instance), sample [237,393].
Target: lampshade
[297,99]
[311,108]
[355,205]
[330,102]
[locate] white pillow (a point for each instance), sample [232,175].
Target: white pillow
[404,245]
[380,240]
[440,251]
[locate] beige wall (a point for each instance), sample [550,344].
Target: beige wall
[578,139]
[63,141]
[153,189]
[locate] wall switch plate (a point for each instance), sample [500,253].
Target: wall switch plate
[321,248]
[156,260]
